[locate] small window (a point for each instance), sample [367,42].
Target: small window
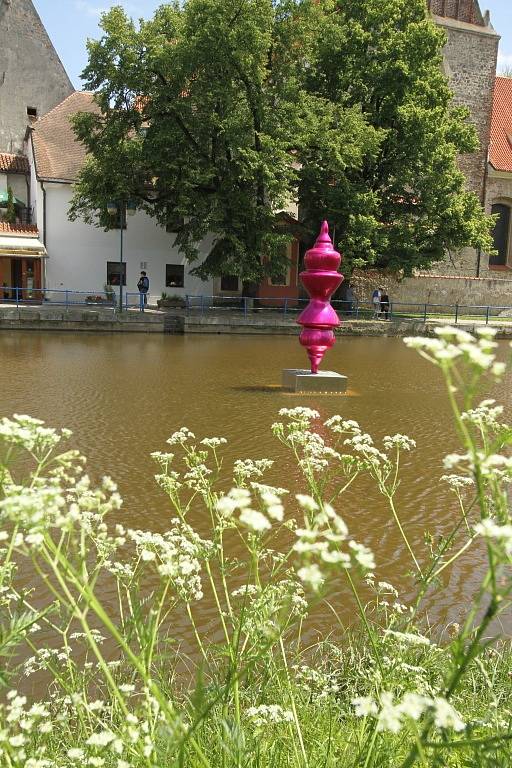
[500,235]
[229,283]
[32,113]
[282,279]
[114,269]
[174,275]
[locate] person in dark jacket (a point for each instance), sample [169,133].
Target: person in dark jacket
[384,305]
[143,288]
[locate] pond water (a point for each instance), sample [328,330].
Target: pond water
[123,395]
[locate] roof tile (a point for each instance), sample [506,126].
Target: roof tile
[25,230]
[13,163]
[57,152]
[501,125]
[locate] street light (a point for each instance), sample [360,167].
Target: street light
[121,208]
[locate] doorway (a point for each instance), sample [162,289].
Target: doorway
[16,277]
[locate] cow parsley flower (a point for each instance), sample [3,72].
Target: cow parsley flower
[268,714]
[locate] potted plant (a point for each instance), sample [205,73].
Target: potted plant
[167,301]
[110,294]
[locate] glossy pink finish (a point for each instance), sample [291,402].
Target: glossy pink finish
[320,279]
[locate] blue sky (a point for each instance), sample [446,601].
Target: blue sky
[71,22]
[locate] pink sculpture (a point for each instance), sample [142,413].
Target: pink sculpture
[320,279]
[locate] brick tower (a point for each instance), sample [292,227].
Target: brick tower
[470,61]
[32,77]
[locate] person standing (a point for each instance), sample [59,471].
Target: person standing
[143,287]
[384,305]
[376,295]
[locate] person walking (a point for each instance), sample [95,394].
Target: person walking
[143,288]
[376,303]
[384,305]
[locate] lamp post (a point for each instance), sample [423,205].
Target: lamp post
[121,208]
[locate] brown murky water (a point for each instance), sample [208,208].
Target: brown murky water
[123,395]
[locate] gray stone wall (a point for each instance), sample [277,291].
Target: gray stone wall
[31,73]
[449,290]
[470,58]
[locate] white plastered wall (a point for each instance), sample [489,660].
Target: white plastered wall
[78,253]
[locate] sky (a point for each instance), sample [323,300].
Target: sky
[71,22]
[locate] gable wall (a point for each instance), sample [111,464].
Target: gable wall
[31,73]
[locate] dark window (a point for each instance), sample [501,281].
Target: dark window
[500,235]
[32,113]
[174,223]
[174,275]
[229,283]
[281,279]
[114,269]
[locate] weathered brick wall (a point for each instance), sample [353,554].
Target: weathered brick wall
[470,62]
[462,10]
[31,73]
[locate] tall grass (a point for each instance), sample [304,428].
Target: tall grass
[122,690]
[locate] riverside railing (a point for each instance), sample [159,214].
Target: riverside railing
[261,305]
[359,310]
[55,297]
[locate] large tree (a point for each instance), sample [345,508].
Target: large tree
[407,205]
[204,113]
[216,113]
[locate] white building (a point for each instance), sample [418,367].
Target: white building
[81,257]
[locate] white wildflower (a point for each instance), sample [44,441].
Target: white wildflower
[312,576]
[254,520]
[446,716]
[268,714]
[364,706]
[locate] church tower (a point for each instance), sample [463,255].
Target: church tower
[32,77]
[470,57]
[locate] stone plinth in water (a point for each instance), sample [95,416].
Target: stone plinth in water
[302,380]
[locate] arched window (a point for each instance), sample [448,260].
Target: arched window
[501,235]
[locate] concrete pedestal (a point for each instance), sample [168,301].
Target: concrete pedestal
[302,380]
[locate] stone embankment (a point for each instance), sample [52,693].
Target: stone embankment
[79,319]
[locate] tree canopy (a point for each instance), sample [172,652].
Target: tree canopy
[216,114]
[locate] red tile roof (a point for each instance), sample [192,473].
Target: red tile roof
[13,163]
[501,125]
[58,153]
[23,230]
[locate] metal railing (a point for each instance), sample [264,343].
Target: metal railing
[358,310]
[55,297]
[261,305]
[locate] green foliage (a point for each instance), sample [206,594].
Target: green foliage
[10,213]
[215,114]
[405,205]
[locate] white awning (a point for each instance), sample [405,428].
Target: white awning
[21,246]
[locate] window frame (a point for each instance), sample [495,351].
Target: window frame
[230,290]
[117,264]
[288,273]
[503,203]
[167,283]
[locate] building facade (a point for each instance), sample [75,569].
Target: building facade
[32,77]
[85,258]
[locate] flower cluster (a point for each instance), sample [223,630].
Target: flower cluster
[454,344]
[177,554]
[320,541]
[391,717]
[268,714]
[257,521]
